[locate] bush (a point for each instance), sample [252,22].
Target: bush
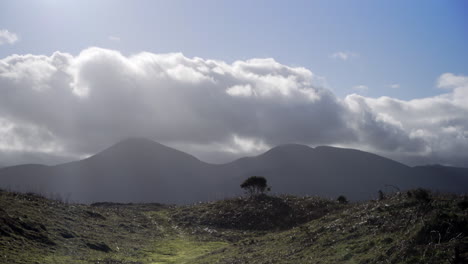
[342,199]
[264,212]
[441,227]
[381,195]
[463,204]
[255,185]
[420,194]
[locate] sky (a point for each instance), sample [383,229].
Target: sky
[225,79]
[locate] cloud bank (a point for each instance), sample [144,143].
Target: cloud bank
[69,106]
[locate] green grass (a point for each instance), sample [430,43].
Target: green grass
[183,249]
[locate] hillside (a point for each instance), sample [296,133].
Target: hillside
[141,170]
[133,170]
[411,227]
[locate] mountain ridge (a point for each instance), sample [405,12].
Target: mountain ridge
[138,169]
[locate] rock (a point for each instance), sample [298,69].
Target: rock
[99,247]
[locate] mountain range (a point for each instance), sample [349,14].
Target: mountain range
[141,170]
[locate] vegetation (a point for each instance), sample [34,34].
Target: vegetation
[264,229]
[261,213]
[255,185]
[421,195]
[381,195]
[342,199]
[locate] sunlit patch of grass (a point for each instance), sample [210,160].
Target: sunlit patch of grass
[181,250]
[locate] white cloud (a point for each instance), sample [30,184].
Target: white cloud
[343,55]
[450,80]
[7,37]
[94,99]
[76,105]
[360,88]
[240,90]
[459,86]
[394,86]
[245,146]
[22,137]
[114,38]
[432,129]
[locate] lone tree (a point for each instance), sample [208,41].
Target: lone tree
[342,199]
[255,185]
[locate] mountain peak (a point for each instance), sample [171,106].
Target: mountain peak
[285,152]
[137,141]
[292,147]
[141,148]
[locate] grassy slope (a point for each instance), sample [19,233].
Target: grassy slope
[399,229]
[396,230]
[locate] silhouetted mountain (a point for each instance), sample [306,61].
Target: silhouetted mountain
[141,170]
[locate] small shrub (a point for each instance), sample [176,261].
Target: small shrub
[342,199]
[441,227]
[463,204]
[381,195]
[420,194]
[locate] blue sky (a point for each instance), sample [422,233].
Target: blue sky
[409,43]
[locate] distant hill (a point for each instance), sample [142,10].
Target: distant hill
[141,170]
